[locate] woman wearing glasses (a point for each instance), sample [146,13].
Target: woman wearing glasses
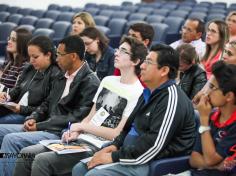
[114,101]
[217,36]
[229,56]
[16,57]
[33,85]
[99,55]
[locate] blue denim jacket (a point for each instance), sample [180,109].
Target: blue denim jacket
[105,66]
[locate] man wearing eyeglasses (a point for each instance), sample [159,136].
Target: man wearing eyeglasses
[69,101]
[217,131]
[160,126]
[113,103]
[142,32]
[192,32]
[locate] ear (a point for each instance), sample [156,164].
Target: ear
[137,62]
[74,56]
[199,35]
[146,42]
[165,71]
[230,97]
[49,54]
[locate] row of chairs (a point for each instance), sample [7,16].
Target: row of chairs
[150,10]
[32,18]
[147,8]
[169,5]
[115,27]
[58,30]
[61,29]
[159,16]
[29,11]
[165,31]
[165,27]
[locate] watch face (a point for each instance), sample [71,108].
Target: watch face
[200,130]
[203,129]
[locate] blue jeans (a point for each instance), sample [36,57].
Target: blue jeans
[12,119]
[47,162]
[13,139]
[117,170]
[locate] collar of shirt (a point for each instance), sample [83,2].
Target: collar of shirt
[67,76]
[194,42]
[216,119]
[147,92]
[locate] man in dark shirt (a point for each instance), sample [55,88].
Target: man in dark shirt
[192,76]
[69,101]
[217,131]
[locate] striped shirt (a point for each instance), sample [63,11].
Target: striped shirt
[10,75]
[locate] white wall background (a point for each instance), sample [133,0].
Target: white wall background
[43,4]
[227,1]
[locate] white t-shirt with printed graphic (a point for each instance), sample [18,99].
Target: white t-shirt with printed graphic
[118,100]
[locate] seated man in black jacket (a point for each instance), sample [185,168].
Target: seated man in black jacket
[192,76]
[160,126]
[69,101]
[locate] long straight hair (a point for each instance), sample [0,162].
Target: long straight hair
[224,38]
[22,38]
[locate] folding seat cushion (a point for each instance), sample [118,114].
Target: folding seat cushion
[44,32]
[66,16]
[30,20]
[60,28]
[38,13]
[44,23]
[15,18]
[4,16]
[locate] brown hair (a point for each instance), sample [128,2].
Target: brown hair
[224,37]
[230,14]
[94,33]
[187,53]
[86,18]
[146,31]
[138,51]
[22,38]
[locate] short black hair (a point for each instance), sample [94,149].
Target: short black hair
[225,75]
[74,44]
[167,56]
[200,26]
[146,31]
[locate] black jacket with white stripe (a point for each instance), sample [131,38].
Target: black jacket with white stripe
[165,126]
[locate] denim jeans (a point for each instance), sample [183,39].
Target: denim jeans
[12,119]
[116,170]
[13,139]
[46,162]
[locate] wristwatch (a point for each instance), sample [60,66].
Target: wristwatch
[202,129]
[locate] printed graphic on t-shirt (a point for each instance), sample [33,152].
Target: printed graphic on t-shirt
[113,104]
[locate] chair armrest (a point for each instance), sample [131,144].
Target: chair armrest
[169,165]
